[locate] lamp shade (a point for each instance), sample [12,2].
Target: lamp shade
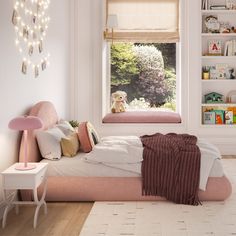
[25,123]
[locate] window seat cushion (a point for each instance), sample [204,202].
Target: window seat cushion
[143,117]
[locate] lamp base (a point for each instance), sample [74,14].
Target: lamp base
[23,167]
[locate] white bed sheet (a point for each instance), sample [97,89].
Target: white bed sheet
[78,166]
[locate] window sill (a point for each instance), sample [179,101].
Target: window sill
[143,117]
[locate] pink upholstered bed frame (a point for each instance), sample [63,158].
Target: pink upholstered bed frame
[100,188]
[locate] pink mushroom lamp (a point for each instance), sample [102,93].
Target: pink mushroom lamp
[25,123]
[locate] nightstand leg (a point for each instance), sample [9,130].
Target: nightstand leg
[4,219]
[45,208]
[17,209]
[39,203]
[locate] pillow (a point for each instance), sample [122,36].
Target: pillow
[65,127]
[88,136]
[49,143]
[70,145]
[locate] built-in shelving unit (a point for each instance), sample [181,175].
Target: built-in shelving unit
[218,63]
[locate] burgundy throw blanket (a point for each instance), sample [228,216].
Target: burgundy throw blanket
[171,167]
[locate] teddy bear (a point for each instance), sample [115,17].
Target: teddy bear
[119,101]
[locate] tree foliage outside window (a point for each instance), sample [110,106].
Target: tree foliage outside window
[146,72]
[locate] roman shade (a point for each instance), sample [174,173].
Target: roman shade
[143,21]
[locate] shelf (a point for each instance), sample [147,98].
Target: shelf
[217,80]
[218,34]
[218,125]
[219,11]
[218,104]
[219,57]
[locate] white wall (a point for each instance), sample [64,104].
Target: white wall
[88,76]
[19,92]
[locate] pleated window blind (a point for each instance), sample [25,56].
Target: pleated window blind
[144,20]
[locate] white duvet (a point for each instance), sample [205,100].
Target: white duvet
[126,153]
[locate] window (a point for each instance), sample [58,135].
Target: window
[143,50]
[146,72]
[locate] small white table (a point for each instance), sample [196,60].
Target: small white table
[28,179]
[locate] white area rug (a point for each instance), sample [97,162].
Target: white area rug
[165,218]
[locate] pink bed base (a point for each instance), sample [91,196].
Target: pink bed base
[119,189]
[62,188]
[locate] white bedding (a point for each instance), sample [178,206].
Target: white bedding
[121,156]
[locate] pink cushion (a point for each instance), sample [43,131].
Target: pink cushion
[143,117]
[88,136]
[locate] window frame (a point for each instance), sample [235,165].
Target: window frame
[106,101]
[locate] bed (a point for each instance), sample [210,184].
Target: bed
[100,187]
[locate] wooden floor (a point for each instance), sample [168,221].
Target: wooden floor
[63,219]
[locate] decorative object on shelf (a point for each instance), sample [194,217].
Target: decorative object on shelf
[31,23]
[209,117]
[229,117]
[25,123]
[230,48]
[229,4]
[205,73]
[221,70]
[213,98]
[215,47]
[225,27]
[220,117]
[230,73]
[212,24]
[231,96]
[233,29]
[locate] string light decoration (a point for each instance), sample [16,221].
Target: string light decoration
[31,24]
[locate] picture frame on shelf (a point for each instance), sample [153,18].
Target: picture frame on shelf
[215,47]
[213,72]
[221,70]
[209,118]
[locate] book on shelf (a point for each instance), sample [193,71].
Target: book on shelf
[230,48]
[204,4]
[209,118]
[229,117]
[218,7]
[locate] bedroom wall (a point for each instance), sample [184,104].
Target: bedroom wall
[87,100]
[19,92]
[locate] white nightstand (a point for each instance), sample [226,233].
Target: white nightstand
[29,179]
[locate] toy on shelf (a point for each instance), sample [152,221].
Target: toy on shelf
[213,98]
